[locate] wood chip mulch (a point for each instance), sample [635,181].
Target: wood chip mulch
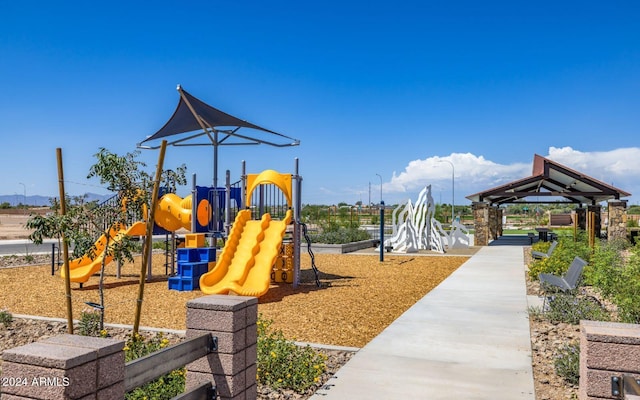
[359,296]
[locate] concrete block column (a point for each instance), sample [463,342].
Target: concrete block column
[64,367]
[233,368]
[607,349]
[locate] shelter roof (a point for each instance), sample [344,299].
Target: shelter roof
[553,182]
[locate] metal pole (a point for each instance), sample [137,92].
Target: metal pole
[297,205]
[53,259]
[381,230]
[194,204]
[24,206]
[243,185]
[453,185]
[215,182]
[379,176]
[227,204]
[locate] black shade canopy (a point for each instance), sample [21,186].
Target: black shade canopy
[193,114]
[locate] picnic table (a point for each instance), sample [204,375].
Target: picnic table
[543,234]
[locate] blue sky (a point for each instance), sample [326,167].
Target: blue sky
[369,88]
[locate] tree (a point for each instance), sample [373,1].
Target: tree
[84,222]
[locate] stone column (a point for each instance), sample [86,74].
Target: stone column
[481,223]
[617,226]
[64,367]
[500,217]
[233,367]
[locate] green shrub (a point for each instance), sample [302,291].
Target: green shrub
[618,279]
[89,324]
[567,363]
[165,387]
[340,235]
[284,365]
[570,309]
[561,257]
[6,318]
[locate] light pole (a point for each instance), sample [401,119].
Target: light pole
[379,176]
[453,190]
[25,197]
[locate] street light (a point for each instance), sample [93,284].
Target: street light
[453,185]
[25,196]
[380,187]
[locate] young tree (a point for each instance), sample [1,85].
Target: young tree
[83,222]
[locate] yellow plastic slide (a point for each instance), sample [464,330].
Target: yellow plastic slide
[81,269]
[173,213]
[245,264]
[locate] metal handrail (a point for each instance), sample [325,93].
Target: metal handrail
[146,369]
[626,387]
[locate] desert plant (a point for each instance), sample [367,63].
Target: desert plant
[340,235]
[559,262]
[567,363]
[165,387]
[618,279]
[5,318]
[571,308]
[284,365]
[89,324]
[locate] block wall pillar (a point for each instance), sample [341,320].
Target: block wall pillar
[607,349]
[64,367]
[233,367]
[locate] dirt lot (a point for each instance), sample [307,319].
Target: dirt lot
[12,226]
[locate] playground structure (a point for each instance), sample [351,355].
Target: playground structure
[253,255]
[257,234]
[414,228]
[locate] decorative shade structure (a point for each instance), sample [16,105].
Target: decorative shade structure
[195,123]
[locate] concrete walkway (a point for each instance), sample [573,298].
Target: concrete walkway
[466,339]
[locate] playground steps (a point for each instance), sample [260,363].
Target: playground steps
[192,264]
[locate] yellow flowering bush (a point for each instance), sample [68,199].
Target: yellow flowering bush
[165,387]
[284,365]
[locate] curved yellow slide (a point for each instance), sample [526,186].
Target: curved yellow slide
[245,264]
[81,269]
[173,212]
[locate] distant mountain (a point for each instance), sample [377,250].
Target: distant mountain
[37,200]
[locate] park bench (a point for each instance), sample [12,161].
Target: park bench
[539,255]
[565,283]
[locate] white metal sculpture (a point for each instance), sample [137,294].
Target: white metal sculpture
[414,228]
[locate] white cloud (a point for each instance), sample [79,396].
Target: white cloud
[470,170]
[618,167]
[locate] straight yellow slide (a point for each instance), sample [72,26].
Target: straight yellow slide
[81,269]
[244,266]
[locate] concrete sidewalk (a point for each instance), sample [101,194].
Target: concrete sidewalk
[466,339]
